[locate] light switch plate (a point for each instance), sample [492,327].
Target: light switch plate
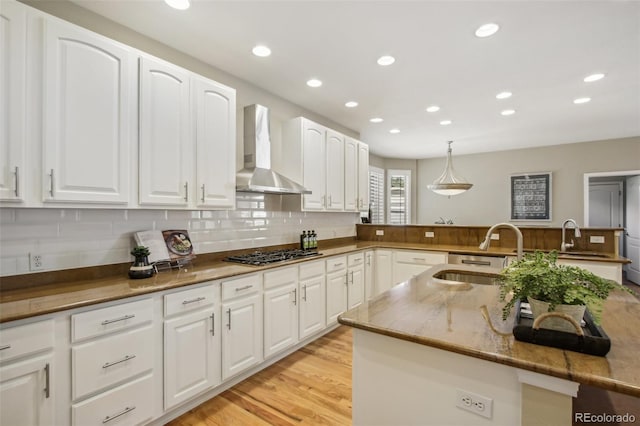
[379,232]
[429,234]
[495,236]
[596,239]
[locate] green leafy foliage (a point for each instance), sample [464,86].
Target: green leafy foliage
[140,251]
[538,275]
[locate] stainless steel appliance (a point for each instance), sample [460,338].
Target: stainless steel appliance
[258,258]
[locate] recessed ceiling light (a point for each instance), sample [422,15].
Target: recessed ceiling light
[593,77]
[581,100]
[376,120]
[178,4]
[487,30]
[445,122]
[503,95]
[351,104]
[314,82]
[433,108]
[508,112]
[394,131]
[261,50]
[386,60]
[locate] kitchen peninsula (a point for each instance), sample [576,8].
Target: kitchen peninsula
[422,346]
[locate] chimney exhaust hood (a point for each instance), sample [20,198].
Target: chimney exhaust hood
[257,176]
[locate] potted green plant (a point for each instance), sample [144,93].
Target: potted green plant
[141,267]
[548,286]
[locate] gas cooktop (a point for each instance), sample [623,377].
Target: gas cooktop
[259,258]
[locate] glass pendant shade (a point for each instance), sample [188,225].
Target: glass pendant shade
[448,183]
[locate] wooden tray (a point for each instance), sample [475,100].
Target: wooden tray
[593,341]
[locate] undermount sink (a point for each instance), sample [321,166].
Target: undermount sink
[463,279]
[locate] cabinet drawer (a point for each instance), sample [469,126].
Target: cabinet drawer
[105,362]
[428,258]
[25,339]
[280,277]
[106,320]
[311,269]
[241,286]
[336,263]
[130,404]
[191,299]
[356,259]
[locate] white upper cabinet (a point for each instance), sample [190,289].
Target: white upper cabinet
[335,171]
[166,148]
[313,165]
[215,134]
[89,111]
[363,176]
[12,101]
[350,174]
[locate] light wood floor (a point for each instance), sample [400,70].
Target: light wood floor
[312,386]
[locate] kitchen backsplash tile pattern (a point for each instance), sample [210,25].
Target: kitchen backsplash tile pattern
[73,238]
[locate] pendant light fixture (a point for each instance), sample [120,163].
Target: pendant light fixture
[448,183]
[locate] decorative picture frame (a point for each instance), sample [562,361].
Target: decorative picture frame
[531,196]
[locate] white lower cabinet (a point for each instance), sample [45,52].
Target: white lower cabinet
[192,343]
[355,279]
[611,271]
[26,374]
[312,298]
[280,310]
[241,324]
[337,291]
[408,263]
[383,271]
[130,404]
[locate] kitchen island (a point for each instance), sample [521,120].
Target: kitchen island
[420,346]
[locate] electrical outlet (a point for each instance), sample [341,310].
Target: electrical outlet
[429,234]
[495,236]
[474,403]
[36,262]
[379,232]
[596,239]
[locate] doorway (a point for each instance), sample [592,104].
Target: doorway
[612,199]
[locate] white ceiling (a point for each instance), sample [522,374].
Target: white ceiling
[542,52]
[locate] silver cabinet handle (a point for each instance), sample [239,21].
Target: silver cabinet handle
[335,265]
[202,199]
[418,259]
[295,296]
[121,413]
[51,183]
[186,191]
[2,348]
[324,199]
[351,277]
[47,387]
[111,364]
[124,318]
[246,287]
[357,260]
[368,259]
[304,294]
[197,299]
[213,324]
[330,201]
[17,176]
[229,323]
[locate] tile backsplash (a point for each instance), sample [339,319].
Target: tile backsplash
[73,238]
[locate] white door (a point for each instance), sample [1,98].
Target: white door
[313,165]
[312,306]
[89,114]
[336,295]
[12,101]
[351,201]
[165,158]
[215,134]
[363,176]
[335,171]
[280,318]
[356,287]
[25,392]
[191,355]
[241,335]
[383,271]
[605,205]
[633,229]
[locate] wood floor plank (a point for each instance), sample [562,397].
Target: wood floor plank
[312,386]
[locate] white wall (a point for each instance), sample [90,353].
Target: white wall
[488,201]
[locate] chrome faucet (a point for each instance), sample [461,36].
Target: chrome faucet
[484,245]
[565,246]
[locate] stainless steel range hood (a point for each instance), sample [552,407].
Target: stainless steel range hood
[257,176]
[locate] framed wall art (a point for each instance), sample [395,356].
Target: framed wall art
[531,196]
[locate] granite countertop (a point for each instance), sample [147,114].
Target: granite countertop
[29,301]
[424,312]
